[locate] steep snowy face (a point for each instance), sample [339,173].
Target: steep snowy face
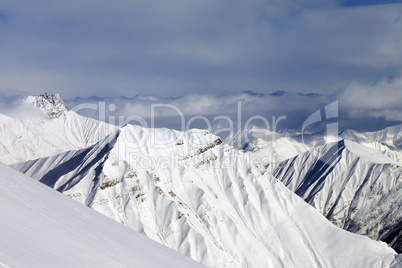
[42,228]
[387,141]
[268,147]
[390,136]
[51,104]
[252,139]
[192,193]
[46,130]
[355,187]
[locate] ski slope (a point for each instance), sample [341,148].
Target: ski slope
[40,227]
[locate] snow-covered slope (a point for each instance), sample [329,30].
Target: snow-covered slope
[39,227]
[43,126]
[390,136]
[270,147]
[204,199]
[355,187]
[387,141]
[19,143]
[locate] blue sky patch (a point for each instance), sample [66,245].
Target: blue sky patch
[354,3]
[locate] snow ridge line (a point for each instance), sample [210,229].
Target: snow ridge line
[6,266]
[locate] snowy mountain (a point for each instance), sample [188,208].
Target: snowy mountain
[390,136]
[43,126]
[269,147]
[388,141]
[194,194]
[42,228]
[356,187]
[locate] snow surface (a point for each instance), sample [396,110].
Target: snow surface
[45,129]
[387,141]
[355,187]
[268,147]
[42,228]
[390,136]
[204,199]
[369,154]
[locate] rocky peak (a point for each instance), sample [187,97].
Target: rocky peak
[51,104]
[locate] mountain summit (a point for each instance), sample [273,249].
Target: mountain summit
[51,104]
[54,128]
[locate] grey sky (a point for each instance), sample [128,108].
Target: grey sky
[176,48]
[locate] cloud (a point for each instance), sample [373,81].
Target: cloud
[10,99]
[361,106]
[11,105]
[179,47]
[196,109]
[379,100]
[370,106]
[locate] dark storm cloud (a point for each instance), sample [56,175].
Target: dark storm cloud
[177,48]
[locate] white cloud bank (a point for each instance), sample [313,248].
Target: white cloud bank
[379,100]
[364,106]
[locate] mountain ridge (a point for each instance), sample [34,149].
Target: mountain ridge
[53,130]
[354,192]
